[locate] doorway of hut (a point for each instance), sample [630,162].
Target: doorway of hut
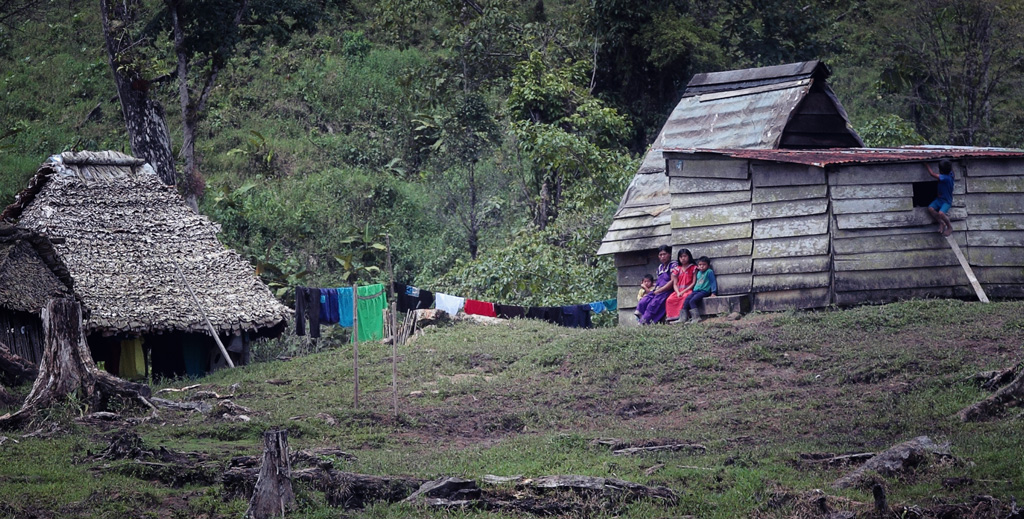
[167,355]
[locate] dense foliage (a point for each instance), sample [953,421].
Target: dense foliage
[490,139]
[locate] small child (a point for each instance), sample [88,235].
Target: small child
[646,287]
[939,209]
[705,286]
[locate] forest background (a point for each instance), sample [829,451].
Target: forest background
[490,139]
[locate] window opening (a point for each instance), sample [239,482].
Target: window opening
[925,193]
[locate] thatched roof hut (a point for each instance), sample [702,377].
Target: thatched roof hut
[133,248]
[31,274]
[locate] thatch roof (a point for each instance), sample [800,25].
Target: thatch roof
[31,273]
[784,106]
[128,241]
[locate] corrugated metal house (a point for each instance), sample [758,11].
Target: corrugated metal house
[30,275]
[134,248]
[781,107]
[811,228]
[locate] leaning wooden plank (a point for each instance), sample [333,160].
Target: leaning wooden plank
[710,168]
[1003,222]
[930,240]
[996,256]
[995,168]
[712,234]
[718,249]
[789,247]
[891,296]
[895,260]
[683,201]
[872,205]
[903,173]
[1000,275]
[789,265]
[729,284]
[918,217]
[795,226]
[995,238]
[778,174]
[784,193]
[727,265]
[872,191]
[897,233]
[706,185]
[789,208]
[784,300]
[995,203]
[848,281]
[996,184]
[778,282]
[708,216]
[967,270]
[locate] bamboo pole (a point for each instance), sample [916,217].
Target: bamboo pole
[355,344]
[213,332]
[394,357]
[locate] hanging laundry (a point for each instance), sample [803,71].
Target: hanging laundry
[412,298]
[132,365]
[370,312]
[576,316]
[611,304]
[597,307]
[344,306]
[300,311]
[474,307]
[307,307]
[331,306]
[449,304]
[509,311]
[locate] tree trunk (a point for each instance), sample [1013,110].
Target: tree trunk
[273,494]
[143,115]
[14,370]
[67,368]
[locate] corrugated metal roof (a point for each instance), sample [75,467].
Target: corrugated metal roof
[826,157]
[733,109]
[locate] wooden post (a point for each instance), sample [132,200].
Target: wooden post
[273,494]
[394,357]
[967,269]
[355,344]
[209,325]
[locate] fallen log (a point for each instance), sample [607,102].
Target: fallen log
[896,459]
[609,487]
[15,370]
[692,447]
[1010,394]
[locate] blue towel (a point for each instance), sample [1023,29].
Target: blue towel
[597,307]
[611,304]
[344,306]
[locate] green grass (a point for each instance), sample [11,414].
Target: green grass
[527,398]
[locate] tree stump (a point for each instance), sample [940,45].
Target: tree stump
[67,368]
[273,494]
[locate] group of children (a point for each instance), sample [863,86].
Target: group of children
[678,289]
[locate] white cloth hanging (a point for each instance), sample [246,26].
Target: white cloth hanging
[450,304]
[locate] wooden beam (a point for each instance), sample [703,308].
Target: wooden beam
[967,269]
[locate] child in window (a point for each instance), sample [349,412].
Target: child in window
[704,286]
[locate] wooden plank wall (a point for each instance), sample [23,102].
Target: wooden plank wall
[711,216]
[790,231]
[885,249]
[995,225]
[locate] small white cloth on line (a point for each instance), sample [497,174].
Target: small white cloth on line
[450,304]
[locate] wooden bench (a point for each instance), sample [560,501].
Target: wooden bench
[724,305]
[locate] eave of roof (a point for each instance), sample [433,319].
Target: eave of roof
[834,156]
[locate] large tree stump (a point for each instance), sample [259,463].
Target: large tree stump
[67,368]
[1010,394]
[273,494]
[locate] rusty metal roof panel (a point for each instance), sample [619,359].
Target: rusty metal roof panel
[833,156]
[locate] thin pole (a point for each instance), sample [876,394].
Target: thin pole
[394,357]
[355,343]
[213,332]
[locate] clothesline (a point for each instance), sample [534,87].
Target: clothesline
[334,306]
[575,316]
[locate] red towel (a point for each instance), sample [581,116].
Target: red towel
[475,307]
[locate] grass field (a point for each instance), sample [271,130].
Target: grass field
[764,395]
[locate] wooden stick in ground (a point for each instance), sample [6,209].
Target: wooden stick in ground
[213,332]
[394,357]
[355,345]
[273,495]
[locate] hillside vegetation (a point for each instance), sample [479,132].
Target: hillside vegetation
[491,140]
[767,397]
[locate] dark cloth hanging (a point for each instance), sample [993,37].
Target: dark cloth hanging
[311,304]
[300,311]
[411,298]
[325,316]
[509,311]
[331,306]
[551,314]
[576,316]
